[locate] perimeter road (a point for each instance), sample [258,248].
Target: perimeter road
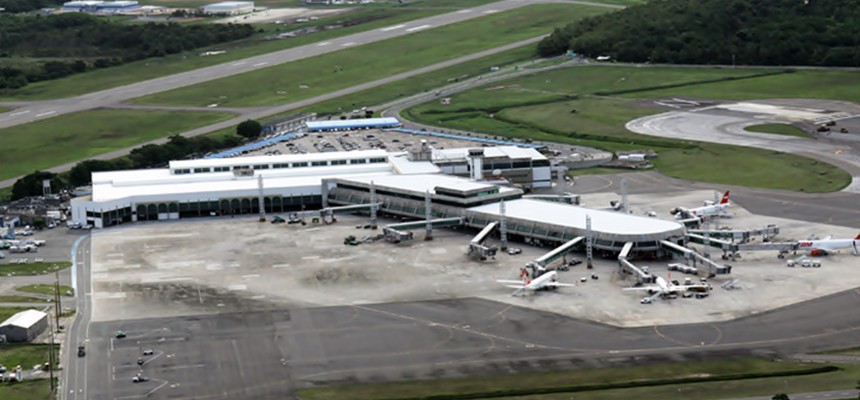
[74,382]
[53,108]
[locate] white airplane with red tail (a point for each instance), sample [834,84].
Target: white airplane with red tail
[821,247]
[709,209]
[547,281]
[665,288]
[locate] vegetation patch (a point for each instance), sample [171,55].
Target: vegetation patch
[73,137]
[745,32]
[582,382]
[40,268]
[779,129]
[46,289]
[329,72]
[564,106]
[21,299]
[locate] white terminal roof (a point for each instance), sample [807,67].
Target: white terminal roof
[346,123]
[423,182]
[286,158]
[402,165]
[231,4]
[25,319]
[499,151]
[609,222]
[150,184]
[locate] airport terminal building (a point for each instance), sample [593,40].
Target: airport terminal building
[400,181]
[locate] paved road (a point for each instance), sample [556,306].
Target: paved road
[53,108]
[831,395]
[718,126]
[75,376]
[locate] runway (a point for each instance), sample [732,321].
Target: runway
[48,109]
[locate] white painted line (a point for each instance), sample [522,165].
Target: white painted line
[347,44]
[251,276]
[46,113]
[281,266]
[260,64]
[418,28]
[239,63]
[19,113]
[391,28]
[463,11]
[491,11]
[323,43]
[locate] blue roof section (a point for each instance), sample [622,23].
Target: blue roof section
[349,124]
[471,138]
[253,146]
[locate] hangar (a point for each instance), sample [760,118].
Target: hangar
[24,326]
[229,8]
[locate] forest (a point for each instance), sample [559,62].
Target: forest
[18,6]
[64,44]
[742,32]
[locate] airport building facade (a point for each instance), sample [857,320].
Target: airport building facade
[229,8]
[23,326]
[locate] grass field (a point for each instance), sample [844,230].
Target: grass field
[46,289]
[779,129]
[318,75]
[74,137]
[26,356]
[21,299]
[40,268]
[156,67]
[566,106]
[6,312]
[841,379]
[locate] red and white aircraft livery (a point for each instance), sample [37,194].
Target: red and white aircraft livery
[710,209]
[547,281]
[823,246]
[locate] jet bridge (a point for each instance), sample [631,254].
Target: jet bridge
[477,249]
[689,254]
[740,236]
[629,267]
[558,252]
[395,232]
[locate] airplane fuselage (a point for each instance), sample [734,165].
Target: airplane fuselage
[541,281]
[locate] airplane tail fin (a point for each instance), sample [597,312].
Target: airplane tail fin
[525,275]
[725,199]
[858,237]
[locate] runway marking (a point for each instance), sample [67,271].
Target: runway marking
[46,113]
[251,276]
[391,28]
[463,11]
[238,364]
[418,28]
[15,114]
[281,266]
[490,11]
[260,64]
[239,63]
[323,43]
[713,342]
[347,44]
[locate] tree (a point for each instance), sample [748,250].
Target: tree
[249,129]
[780,396]
[81,173]
[31,185]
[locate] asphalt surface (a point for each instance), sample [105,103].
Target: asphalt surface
[718,126]
[48,109]
[834,394]
[76,369]
[838,208]
[267,355]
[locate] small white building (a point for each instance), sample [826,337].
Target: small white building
[229,8]
[24,326]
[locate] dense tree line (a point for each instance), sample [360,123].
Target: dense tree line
[87,42]
[18,6]
[752,32]
[146,156]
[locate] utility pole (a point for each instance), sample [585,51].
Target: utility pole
[57,304]
[52,358]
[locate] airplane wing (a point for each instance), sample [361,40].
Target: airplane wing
[657,288]
[559,284]
[520,283]
[520,287]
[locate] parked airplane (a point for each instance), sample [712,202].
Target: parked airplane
[823,246]
[547,281]
[665,288]
[709,209]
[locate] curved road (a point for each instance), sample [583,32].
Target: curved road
[709,124]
